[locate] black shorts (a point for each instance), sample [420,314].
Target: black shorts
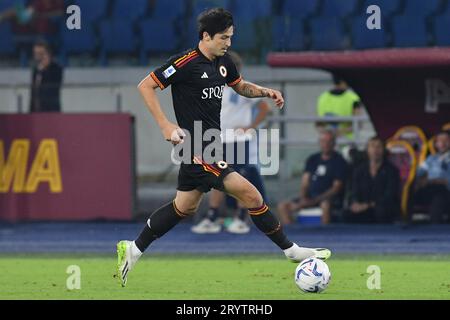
[202,177]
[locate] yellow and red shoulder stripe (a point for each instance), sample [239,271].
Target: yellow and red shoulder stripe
[186,59]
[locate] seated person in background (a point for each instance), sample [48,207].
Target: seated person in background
[375,192]
[322,181]
[433,180]
[35,16]
[339,102]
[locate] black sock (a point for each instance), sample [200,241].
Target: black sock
[242,214]
[265,221]
[212,214]
[159,223]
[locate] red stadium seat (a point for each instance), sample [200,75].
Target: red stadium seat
[402,155]
[417,139]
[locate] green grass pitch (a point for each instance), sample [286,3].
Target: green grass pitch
[220,277]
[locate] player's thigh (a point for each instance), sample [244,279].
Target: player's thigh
[188,201]
[241,189]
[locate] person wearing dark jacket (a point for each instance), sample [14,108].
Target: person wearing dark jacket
[375,188]
[46,81]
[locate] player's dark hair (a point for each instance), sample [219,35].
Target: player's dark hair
[214,21]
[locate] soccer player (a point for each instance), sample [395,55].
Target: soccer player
[237,123]
[197,78]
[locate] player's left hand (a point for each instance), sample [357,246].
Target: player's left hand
[277,97]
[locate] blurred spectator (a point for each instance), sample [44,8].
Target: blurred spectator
[433,180]
[46,80]
[339,102]
[322,182]
[375,193]
[36,17]
[237,115]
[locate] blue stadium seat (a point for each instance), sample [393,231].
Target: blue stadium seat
[364,38]
[388,7]
[441,30]
[92,10]
[117,36]
[301,9]
[409,31]
[287,34]
[7,4]
[79,41]
[164,40]
[7,45]
[191,35]
[251,9]
[169,9]
[421,7]
[130,9]
[339,8]
[327,33]
[244,35]
[200,5]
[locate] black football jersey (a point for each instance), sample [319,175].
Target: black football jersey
[197,87]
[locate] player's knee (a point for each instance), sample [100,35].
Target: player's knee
[253,199]
[187,208]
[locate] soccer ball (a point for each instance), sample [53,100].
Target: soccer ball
[312,275]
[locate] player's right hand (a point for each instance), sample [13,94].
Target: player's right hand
[173,134]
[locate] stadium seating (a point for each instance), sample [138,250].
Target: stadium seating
[7,46]
[165,40]
[426,8]
[401,154]
[339,8]
[293,25]
[200,5]
[79,41]
[300,9]
[92,10]
[245,35]
[327,34]
[388,7]
[364,38]
[6,4]
[252,9]
[132,10]
[288,34]
[191,35]
[441,30]
[110,31]
[169,9]
[416,138]
[410,31]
